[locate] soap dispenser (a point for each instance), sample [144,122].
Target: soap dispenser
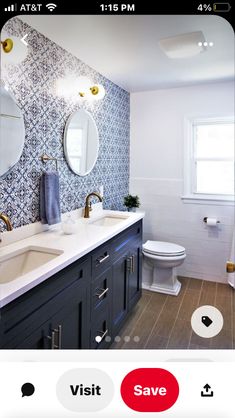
[68,225]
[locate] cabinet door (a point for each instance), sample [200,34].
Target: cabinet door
[21,321]
[68,329]
[119,293]
[134,274]
[70,326]
[39,339]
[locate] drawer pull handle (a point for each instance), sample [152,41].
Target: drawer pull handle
[129,264]
[132,264]
[52,339]
[104,291]
[56,343]
[102,259]
[100,338]
[58,331]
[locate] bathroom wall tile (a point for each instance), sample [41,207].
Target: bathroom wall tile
[157,133]
[33,84]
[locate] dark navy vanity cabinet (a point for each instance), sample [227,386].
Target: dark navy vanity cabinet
[81,305]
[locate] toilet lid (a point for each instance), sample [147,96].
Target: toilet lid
[163,248]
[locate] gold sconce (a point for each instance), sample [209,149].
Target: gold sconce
[15,50]
[88,90]
[79,88]
[7,45]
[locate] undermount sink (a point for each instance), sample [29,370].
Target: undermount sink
[23,261]
[108,220]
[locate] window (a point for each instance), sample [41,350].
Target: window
[209,159]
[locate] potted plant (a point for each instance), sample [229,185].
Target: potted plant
[131,202]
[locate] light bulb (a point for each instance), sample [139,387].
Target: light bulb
[66,86]
[83,85]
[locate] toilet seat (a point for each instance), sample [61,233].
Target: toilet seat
[163,249]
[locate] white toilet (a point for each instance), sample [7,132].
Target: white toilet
[164,257]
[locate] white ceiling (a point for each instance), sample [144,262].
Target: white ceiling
[125,48]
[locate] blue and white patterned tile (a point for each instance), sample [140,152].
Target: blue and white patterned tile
[33,83]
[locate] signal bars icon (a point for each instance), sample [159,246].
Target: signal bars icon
[11,8]
[51,6]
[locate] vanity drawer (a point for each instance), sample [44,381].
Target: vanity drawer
[101,292]
[123,241]
[101,260]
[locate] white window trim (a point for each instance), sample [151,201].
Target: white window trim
[189,180]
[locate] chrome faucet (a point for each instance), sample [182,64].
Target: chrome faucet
[7,222]
[88,207]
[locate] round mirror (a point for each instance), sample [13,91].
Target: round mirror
[81,142]
[12,132]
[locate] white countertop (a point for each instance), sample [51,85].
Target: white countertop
[75,246]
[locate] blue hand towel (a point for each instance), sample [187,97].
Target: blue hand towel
[50,199]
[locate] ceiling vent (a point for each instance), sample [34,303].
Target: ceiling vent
[183,46]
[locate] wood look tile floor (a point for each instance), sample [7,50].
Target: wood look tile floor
[164,322]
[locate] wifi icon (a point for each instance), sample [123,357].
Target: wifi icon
[51,6]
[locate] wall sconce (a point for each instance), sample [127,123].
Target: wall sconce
[71,86]
[88,90]
[7,45]
[14,50]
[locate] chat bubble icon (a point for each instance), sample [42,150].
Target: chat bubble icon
[27,389]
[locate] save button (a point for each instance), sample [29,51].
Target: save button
[149,390]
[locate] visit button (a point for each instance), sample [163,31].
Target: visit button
[149,390]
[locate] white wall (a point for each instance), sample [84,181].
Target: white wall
[157,135]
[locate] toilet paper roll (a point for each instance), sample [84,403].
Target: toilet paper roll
[211,221]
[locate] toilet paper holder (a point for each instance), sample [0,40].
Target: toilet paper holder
[205,220]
